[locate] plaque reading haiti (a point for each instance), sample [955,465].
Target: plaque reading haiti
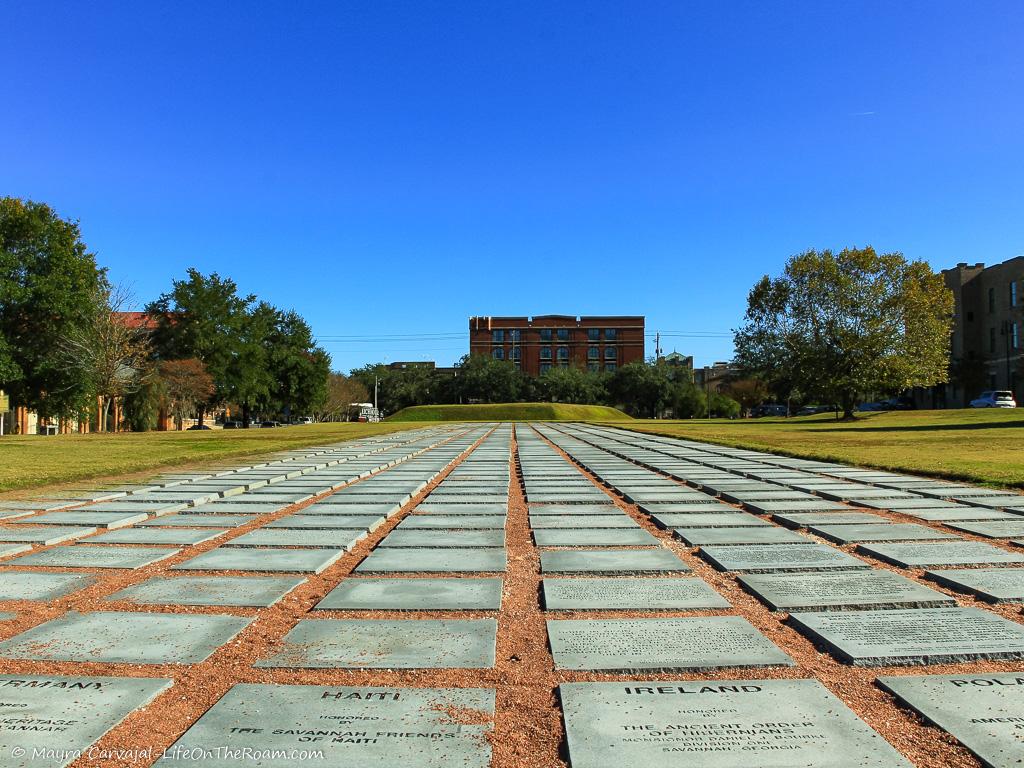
[717,724]
[983,712]
[365,727]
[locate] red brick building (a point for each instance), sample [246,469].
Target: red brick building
[536,344]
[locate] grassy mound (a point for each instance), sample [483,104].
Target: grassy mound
[509,412]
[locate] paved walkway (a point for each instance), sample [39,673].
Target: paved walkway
[549,594]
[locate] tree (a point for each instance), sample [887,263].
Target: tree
[342,391]
[186,385]
[571,385]
[108,351]
[203,317]
[484,379]
[749,393]
[46,277]
[970,373]
[688,401]
[846,323]
[642,389]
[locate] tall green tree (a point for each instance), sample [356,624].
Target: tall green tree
[484,379]
[47,280]
[641,389]
[846,323]
[572,385]
[298,366]
[203,317]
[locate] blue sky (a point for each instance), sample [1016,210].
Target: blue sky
[391,168]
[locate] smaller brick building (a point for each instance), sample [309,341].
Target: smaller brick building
[539,343]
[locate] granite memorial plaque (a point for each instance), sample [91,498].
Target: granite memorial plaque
[88,556]
[611,562]
[842,591]
[654,594]
[236,591]
[849,534]
[696,537]
[916,636]
[20,585]
[414,595]
[920,555]
[262,560]
[770,558]
[402,644]
[717,724]
[594,537]
[984,712]
[447,560]
[127,638]
[994,585]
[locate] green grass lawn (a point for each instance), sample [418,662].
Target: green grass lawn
[509,412]
[985,446]
[31,461]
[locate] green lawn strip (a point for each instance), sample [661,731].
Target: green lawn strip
[981,446]
[509,412]
[33,461]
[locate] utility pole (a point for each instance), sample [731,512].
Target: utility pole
[657,346]
[707,390]
[376,411]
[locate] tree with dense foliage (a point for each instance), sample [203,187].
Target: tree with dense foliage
[342,392]
[203,317]
[641,389]
[107,351]
[186,386]
[749,393]
[846,323]
[47,277]
[572,385]
[483,379]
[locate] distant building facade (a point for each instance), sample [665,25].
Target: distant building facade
[678,360]
[714,377]
[988,323]
[537,344]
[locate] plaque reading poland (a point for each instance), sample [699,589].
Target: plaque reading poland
[661,645]
[919,636]
[717,724]
[365,727]
[983,712]
[47,718]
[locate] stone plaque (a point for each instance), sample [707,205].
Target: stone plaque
[436,539]
[330,538]
[241,591]
[572,509]
[658,594]
[447,560]
[594,537]
[452,522]
[773,507]
[661,645]
[769,558]
[403,644]
[995,585]
[414,595]
[158,536]
[366,727]
[265,560]
[735,519]
[197,521]
[842,591]
[17,585]
[914,555]
[1012,529]
[919,636]
[984,712]
[805,519]
[696,537]
[611,562]
[717,724]
[47,719]
[7,550]
[86,556]
[44,535]
[848,534]
[127,638]
[89,518]
[427,508]
[582,521]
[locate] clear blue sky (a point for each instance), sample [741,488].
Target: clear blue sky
[391,168]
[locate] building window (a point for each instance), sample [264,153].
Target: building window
[611,334]
[497,336]
[1013,335]
[593,367]
[610,354]
[545,334]
[545,367]
[991,339]
[1013,293]
[563,353]
[563,334]
[593,334]
[545,353]
[498,354]
[991,300]
[609,367]
[593,353]
[515,335]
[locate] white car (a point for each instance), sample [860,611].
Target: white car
[995,399]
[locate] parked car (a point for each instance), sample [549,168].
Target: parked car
[872,407]
[769,409]
[304,420]
[811,410]
[198,426]
[234,425]
[996,398]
